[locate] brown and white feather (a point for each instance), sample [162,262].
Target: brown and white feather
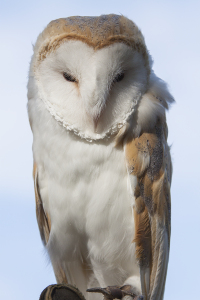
[148,158]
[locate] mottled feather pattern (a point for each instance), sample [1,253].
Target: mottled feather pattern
[148,159]
[97,32]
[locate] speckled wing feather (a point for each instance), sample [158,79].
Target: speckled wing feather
[150,169]
[44,224]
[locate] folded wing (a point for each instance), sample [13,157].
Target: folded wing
[44,224]
[43,219]
[149,163]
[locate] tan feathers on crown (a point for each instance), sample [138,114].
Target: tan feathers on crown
[97,32]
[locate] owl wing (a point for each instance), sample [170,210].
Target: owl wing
[44,224]
[149,167]
[43,219]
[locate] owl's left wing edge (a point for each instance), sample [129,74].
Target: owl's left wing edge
[43,219]
[149,162]
[44,224]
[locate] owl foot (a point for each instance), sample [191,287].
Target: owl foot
[116,292]
[61,292]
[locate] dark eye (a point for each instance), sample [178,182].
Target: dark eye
[118,77]
[69,77]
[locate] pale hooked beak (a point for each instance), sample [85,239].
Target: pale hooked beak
[95,112]
[95,121]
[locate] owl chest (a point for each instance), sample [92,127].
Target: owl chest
[85,192]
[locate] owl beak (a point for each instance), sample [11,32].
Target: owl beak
[94,114]
[97,112]
[94,109]
[95,122]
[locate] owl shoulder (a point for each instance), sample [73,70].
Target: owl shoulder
[153,106]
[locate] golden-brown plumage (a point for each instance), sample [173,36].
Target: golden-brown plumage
[101,33]
[148,158]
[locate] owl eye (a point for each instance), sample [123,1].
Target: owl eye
[69,77]
[118,77]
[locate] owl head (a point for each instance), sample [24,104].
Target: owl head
[90,73]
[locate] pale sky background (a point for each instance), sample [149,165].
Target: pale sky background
[171,30]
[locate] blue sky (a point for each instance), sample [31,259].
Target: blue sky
[171,30]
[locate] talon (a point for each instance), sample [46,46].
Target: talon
[110,293]
[126,290]
[116,292]
[98,290]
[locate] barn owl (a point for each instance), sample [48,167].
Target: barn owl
[102,166]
